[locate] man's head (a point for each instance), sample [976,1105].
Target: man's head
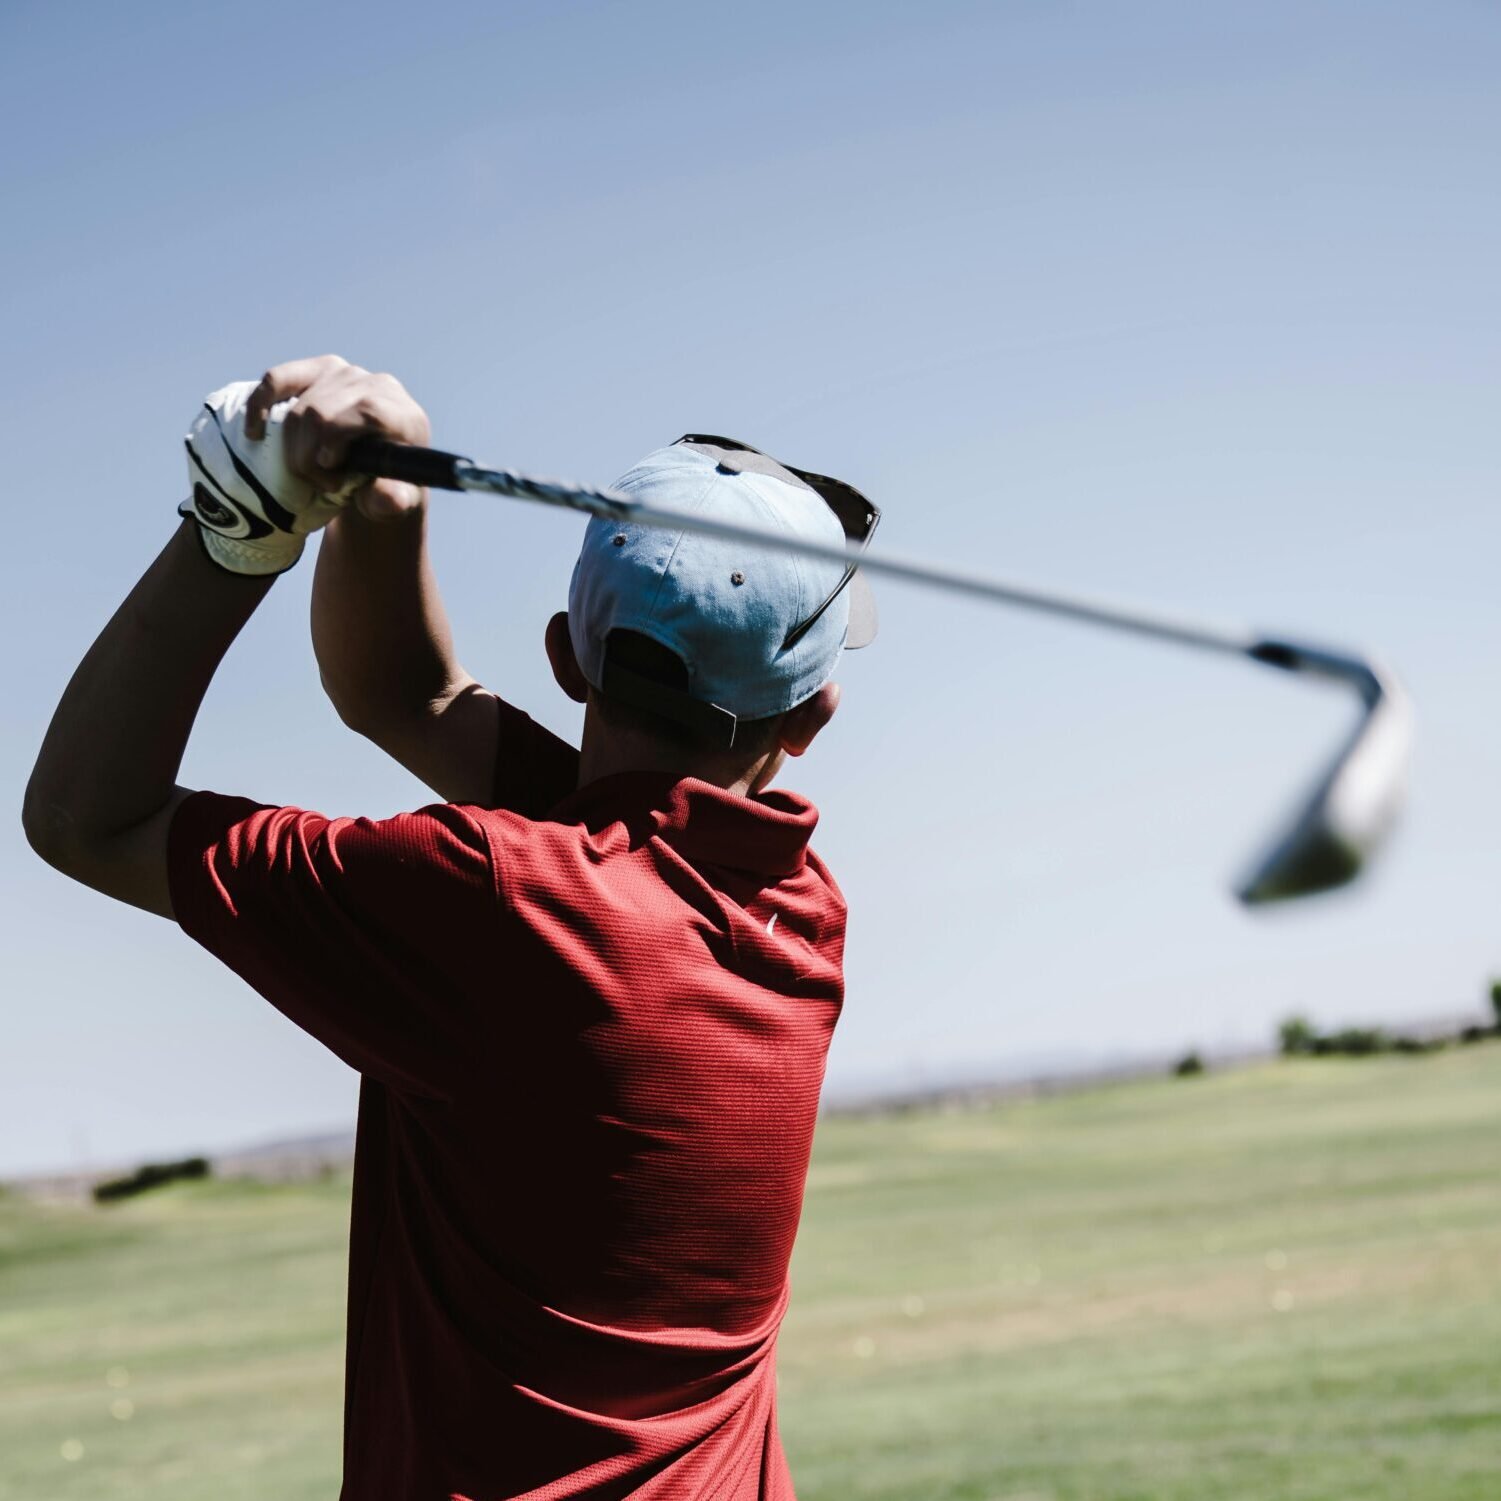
[712,657]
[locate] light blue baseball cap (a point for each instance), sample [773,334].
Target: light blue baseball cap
[758,630]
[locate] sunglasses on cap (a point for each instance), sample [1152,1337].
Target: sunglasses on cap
[857,517]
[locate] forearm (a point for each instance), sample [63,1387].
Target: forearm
[111,754]
[380,631]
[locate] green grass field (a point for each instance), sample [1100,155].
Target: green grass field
[1283,1282]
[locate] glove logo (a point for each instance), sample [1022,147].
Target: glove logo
[214,512]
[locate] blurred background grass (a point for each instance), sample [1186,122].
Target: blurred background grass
[1278,1282]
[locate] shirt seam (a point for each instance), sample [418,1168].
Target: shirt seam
[497,891]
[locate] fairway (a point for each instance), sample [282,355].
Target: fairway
[1282,1282]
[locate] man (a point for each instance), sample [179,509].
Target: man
[590,994]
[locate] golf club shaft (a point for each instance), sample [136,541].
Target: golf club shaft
[432,467]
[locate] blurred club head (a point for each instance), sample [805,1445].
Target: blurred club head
[1345,818]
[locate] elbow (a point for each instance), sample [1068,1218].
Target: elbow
[49,831]
[372,717]
[354,712]
[58,835]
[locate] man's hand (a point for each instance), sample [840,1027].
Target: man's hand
[266,459]
[333,403]
[253,514]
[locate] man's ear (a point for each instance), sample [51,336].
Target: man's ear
[804,722]
[565,666]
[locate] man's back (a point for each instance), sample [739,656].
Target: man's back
[593,1044]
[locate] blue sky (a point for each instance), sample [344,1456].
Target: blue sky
[1194,305]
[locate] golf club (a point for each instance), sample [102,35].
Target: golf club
[1339,824]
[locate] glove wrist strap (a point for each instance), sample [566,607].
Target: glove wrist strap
[259,558]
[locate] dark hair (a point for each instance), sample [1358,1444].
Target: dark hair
[650,659]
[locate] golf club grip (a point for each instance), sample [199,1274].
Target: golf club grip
[417,466]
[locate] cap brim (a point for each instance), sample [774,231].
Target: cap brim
[863,617]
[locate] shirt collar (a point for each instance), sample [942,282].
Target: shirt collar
[767,834]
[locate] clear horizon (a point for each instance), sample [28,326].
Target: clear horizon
[1192,309]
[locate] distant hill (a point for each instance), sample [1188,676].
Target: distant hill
[302,1158]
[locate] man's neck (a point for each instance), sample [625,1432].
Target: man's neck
[608,752]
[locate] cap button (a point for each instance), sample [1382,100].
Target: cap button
[737,577]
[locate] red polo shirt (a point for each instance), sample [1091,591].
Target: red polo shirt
[592,1034]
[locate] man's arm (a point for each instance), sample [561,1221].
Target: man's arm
[387,660]
[104,789]
[380,631]
[103,792]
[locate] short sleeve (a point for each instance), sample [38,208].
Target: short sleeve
[534,769]
[369,934]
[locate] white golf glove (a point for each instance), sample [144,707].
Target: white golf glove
[253,515]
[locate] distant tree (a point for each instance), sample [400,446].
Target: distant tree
[1496,1001]
[1296,1036]
[1188,1065]
[1359,1042]
[1403,1043]
[151,1175]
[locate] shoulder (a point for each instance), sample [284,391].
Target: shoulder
[438,834]
[236,839]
